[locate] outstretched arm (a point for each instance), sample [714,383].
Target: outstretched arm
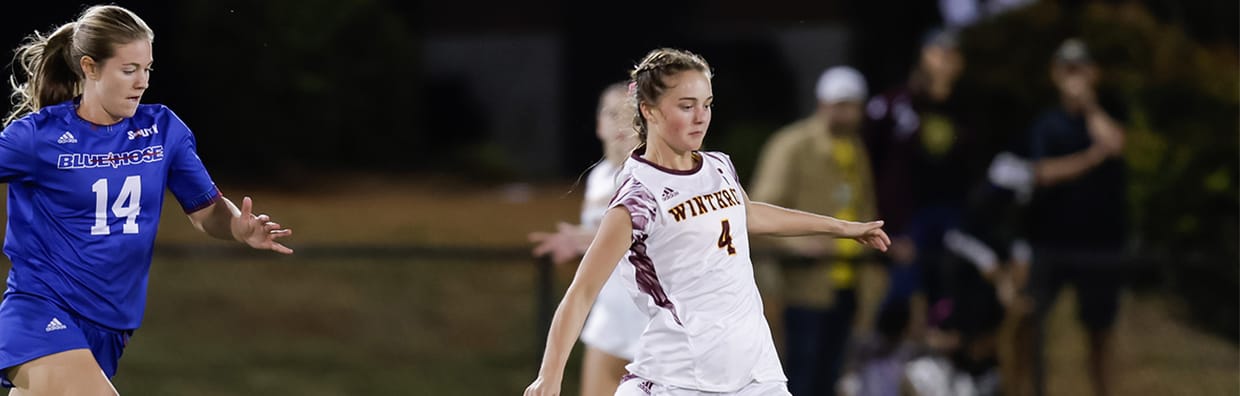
[223,220]
[767,219]
[614,236]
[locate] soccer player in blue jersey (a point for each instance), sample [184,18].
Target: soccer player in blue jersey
[86,167]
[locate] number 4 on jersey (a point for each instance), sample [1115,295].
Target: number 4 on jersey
[725,237]
[128,204]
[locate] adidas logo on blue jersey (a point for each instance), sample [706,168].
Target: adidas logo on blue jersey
[669,193]
[66,138]
[55,325]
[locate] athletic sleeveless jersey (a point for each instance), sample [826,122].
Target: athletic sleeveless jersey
[693,275]
[84,205]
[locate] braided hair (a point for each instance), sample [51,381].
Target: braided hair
[647,81]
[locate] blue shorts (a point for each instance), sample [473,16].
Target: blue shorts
[31,327]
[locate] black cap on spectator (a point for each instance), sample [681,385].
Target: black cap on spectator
[939,37]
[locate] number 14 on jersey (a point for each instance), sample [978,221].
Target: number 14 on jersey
[128,204]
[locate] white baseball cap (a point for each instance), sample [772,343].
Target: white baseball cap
[1073,51]
[840,84]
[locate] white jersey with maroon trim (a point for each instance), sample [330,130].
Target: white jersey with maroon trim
[693,275]
[615,322]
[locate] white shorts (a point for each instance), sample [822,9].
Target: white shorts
[615,323]
[633,385]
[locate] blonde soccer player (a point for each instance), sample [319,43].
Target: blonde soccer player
[682,221]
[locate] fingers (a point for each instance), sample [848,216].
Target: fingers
[247,207]
[875,241]
[545,241]
[880,237]
[873,225]
[279,248]
[538,237]
[271,243]
[858,229]
[262,232]
[542,249]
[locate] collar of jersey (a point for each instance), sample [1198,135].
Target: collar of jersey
[637,155]
[72,117]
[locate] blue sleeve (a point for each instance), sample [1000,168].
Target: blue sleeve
[17,157]
[188,178]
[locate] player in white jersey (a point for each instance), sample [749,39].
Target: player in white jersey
[682,221]
[614,323]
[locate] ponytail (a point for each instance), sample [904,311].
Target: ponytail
[48,68]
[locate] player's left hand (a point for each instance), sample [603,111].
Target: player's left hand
[259,231]
[869,234]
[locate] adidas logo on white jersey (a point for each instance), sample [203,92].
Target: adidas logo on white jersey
[66,138]
[55,325]
[669,193]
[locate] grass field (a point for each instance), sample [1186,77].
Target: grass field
[223,323]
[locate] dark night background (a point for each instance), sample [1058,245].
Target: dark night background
[288,97]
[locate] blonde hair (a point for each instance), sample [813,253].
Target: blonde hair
[646,81]
[50,66]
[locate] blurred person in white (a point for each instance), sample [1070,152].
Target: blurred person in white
[614,323]
[819,164]
[986,264]
[1078,215]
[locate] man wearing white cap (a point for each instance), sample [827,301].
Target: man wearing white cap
[819,164]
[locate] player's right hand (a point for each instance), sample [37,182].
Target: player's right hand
[543,388]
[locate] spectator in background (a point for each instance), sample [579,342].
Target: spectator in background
[986,258]
[924,161]
[959,14]
[1078,212]
[878,362]
[818,164]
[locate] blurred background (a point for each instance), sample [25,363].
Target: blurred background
[413,145]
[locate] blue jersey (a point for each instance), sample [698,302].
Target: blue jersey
[84,205]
